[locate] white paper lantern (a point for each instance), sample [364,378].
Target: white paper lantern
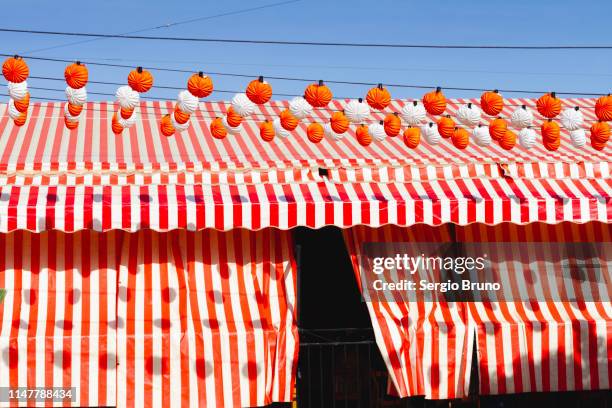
[430,133]
[279,129]
[357,111]
[242,105]
[469,114]
[578,137]
[571,118]
[12,110]
[522,117]
[481,135]
[187,102]
[127,97]
[527,138]
[377,130]
[414,113]
[76,97]
[18,90]
[129,122]
[300,108]
[232,130]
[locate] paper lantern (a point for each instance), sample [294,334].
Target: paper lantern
[357,111]
[259,91]
[377,131]
[498,128]
[600,132]
[430,133]
[550,131]
[266,131]
[71,124]
[330,133]
[446,126]
[414,113]
[232,130]
[76,75]
[279,130]
[15,69]
[571,118]
[363,136]
[22,104]
[127,122]
[140,80]
[76,96]
[460,138]
[18,90]
[481,135]
[508,140]
[300,108]
[318,95]
[116,126]
[392,124]
[21,119]
[12,110]
[288,121]
[315,132]
[527,138]
[552,145]
[200,85]
[74,110]
[412,137]
[435,102]
[166,127]
[217,130]
[242,105]
[339,122]
[549,105]
[179,127]
[597,146]
[522,117]
[378,97]
[578,137]
[603,108]
[233,119]
[469,115]
[187,102]
[180,116]
[492,103]
[126,96]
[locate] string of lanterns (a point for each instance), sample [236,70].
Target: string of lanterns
[318,95]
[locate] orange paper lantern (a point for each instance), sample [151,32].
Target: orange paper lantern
[76,75]
[492,103]
[288,121]
[392,124]
[508,140]
[200,85]
[126,113]
[549,105]
[603,108]
[15,69]
[363,135]
[550,131]
[259,91]
[378,97]
[217,129]
[266,131]
[140,80]
[233,119]
[166,126]
[318,95]
[339,122]
[180,116]
[446,126]
[498,128]
[412,137]
[600,132]
[75,110]
[71,124]
[435,102]
[315,132]
[21,119]
[23,104]
[116,126]
[460,138]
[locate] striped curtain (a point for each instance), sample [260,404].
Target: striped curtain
[521,346]
[150,319]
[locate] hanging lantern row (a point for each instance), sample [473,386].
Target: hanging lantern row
[128,96]
[187,102]
[16,72]
[76,76]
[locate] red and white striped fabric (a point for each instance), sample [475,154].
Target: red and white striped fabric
[57,321]
[150,319]
[315,204]
[521,346]
[542,346]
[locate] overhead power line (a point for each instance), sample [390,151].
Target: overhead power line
[310,43]
[171,24]
[339,82]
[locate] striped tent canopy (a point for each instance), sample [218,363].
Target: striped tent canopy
[89,178]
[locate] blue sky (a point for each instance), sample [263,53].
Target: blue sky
[541,22]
